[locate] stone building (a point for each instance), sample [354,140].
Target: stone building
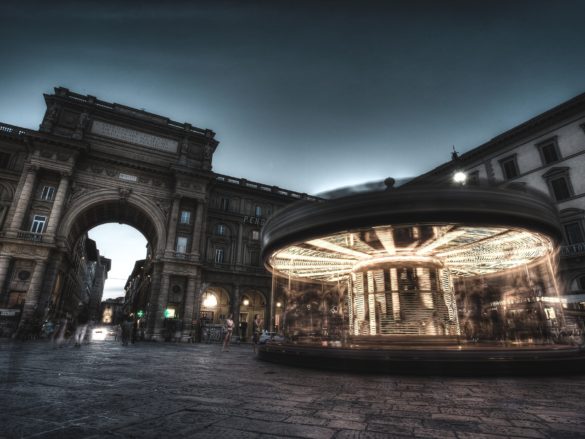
[93,162]
[546,153]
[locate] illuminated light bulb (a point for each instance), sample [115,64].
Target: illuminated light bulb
[210,301]
[278,304]
[246,302]
[460,177]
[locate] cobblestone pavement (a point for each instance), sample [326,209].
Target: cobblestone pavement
[154,390]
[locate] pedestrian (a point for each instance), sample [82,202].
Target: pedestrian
[127,324]
[229,328]
[60,333]
[81,328]
[257,329]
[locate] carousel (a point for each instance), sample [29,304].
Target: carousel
[435,279]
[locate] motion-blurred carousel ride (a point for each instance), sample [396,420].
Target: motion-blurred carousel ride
[453,279]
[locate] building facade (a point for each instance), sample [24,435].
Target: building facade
[93,162]
[546,154]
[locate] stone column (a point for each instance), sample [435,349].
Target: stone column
[58,205]
[34,289]
[163,298]
[197,229]
[189,305]
[4,264]
[172,231]
[235,309]
[153,299]
[199,288]
[24,198]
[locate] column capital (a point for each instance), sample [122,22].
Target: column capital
[32,168]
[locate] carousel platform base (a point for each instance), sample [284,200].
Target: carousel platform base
[467,360]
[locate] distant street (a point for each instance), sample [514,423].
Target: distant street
[156,390]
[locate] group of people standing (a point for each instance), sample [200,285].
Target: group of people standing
[229,329]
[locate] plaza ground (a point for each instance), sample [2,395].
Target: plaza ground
[157,390]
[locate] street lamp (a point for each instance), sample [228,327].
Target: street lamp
[460,177]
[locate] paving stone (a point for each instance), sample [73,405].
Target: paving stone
[307,420]
[279,428]
[355,434]
[340,415]
[512,431]
[350,425]
[431,433]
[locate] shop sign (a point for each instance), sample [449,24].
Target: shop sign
[254,220]
[9,312]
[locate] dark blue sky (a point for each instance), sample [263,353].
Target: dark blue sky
[306,95]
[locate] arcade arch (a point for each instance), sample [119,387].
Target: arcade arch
[215,305]
[107,206]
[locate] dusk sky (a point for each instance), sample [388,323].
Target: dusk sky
[306,95]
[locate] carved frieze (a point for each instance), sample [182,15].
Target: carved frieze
[134,136]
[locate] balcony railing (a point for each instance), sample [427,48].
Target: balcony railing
[577,249]
[263,187]
[30,236]
[12,130]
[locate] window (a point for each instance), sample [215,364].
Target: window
[255,235]
[181,244]
[559,183]
[4,160]
[225,204]
[185,217]
[219,255]
[549,151]
[473,178]
[509,167]
[560,188]
[574,233]
[48,193]
[220,230]
[258,211]
[38,224]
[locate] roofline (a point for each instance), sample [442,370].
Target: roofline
[573,106]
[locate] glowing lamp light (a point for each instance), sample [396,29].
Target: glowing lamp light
[278,304]
[139,313]
[169,313]
[460,177]
[246,302]
[210,301]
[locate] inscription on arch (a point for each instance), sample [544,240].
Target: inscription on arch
[133,136]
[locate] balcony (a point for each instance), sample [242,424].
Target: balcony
[573,250]
[30,236]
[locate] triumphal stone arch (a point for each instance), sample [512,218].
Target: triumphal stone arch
[92,162]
